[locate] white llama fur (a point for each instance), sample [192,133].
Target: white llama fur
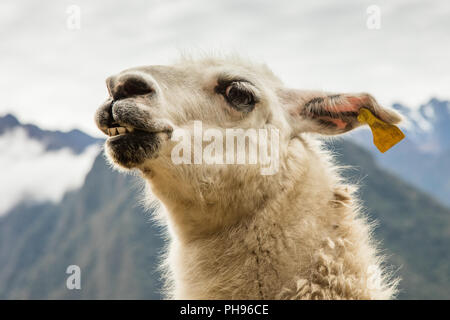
[237,234]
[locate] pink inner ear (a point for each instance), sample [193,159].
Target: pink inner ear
[350,104]
[338,110]
[342,108]
[340,124]
[352,107]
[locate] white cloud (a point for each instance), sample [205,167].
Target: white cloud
[55,77]
[30,173]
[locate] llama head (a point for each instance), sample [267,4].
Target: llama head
[148,106]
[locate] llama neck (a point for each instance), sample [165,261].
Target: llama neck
[304,237]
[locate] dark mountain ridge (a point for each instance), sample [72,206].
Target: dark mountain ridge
[75,139]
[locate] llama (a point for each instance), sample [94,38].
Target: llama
[235,233]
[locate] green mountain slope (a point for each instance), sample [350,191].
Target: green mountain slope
[102,229]
[414,227]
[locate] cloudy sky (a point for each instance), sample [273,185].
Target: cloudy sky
[44,173]
[52,73]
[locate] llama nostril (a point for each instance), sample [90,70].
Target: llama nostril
[128,85]
[136,86]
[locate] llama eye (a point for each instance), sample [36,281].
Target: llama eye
[240,97]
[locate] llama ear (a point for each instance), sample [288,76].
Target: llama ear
[331,114]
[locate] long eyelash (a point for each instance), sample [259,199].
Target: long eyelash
[224,82]
[222,85]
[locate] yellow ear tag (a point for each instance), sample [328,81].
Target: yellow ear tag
[385,135]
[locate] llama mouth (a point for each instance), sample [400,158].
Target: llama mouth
[125,130]
[130,146]
[130,149]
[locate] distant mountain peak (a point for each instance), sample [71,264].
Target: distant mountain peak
[75,139]
[429,122]
[437,101]
[401,108]
[437,110]
[8,121]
